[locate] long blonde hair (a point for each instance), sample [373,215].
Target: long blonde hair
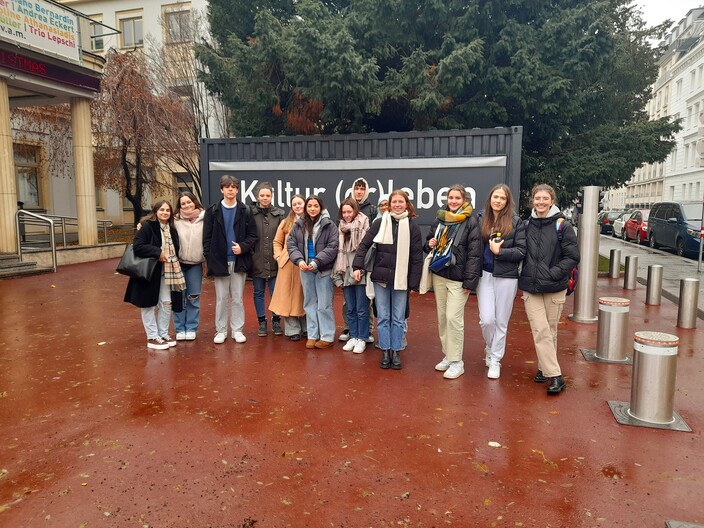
[502,222]
[288,222]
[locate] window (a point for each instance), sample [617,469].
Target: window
[27,171]
[678,89]
[178,26]
[97,43]
[131,32]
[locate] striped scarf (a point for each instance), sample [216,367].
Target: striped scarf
[449,223]
[173,275]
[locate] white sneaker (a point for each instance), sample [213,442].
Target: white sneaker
[494,371]
[181,336]
[219,338]
[239,337]
[190,336]
[455,370]
[157,344]
[360,347]
[370,339]
[443,365]
[351,343]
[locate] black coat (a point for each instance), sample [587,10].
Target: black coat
[512,252]
[216,245]
[326,244]
[385,261]
[267,221]
[468,255]
[548,262]
[147,243]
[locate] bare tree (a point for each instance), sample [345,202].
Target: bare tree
[135,128]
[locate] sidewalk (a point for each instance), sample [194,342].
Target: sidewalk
[674,268]
[99,431]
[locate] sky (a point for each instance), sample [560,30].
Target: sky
[656,11]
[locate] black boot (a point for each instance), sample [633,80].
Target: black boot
[557,385]
[385,360]
[262,328]
[276,327]
[539,378]
[396,360]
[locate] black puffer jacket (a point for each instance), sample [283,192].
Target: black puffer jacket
[385,262]
[326,244]
[468,254]
[513,251]
[215,243]
[548,263]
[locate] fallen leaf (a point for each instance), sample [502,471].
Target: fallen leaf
[494,444]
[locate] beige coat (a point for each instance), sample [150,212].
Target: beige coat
[287,300]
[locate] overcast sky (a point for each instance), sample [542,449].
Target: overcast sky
[656,11]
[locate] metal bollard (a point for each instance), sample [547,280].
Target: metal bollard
[654,370]
[630,277]
[612,330]
[689,299]
[653,291]
[615,263]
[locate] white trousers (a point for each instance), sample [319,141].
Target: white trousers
[229,292]
[156,319]
[495,298]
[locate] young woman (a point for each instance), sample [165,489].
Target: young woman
[188,221]
[457,229]
[312,246]
[353,226]
[551,253]
[397,268]
[157,238]
[287,299]
[504,246]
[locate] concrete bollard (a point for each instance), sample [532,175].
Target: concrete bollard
[654,370]
[630,277]
[612,337]
[653,291]
[615,263]
[689,299]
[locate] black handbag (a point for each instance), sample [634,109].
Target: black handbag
[136,267]
[369,258]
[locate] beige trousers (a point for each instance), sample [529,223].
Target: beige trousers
[450,300]
[543,311]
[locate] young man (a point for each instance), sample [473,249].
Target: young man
[229,234]
[360,191]
[267,218]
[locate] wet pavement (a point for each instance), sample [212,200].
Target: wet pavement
[99,431]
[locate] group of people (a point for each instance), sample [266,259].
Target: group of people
[376,255]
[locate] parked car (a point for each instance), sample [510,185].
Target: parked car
[636,226]
[619,223]
[675,225]
[606,219]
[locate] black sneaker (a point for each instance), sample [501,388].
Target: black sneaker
[276,328]
[344,336]
[262,329]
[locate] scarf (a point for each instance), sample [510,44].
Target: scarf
[449,224]
[190,215]
[403,245]
[349,244]
[173,275]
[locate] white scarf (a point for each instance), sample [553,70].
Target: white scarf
[403,245]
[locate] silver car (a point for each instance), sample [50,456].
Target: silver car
[619,223]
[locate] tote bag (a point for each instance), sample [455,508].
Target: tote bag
[136,267]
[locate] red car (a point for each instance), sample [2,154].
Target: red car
[636,226]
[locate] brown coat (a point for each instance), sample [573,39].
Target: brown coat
[287,300]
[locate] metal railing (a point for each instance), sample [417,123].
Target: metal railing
[37,219]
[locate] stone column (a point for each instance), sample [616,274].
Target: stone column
[8,182]
[83,170]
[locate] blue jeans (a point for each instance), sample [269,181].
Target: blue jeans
[317,303]
[259,290]
[391,316]
[188,319]
[357,310]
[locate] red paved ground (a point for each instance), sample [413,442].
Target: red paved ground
[97,431]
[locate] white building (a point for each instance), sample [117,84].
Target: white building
[678,92]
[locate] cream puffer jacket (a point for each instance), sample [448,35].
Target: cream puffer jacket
[190,235]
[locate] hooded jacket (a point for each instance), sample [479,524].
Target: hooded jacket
[548,262]
[215,243]
[267,220]
[365,206]
[326,243]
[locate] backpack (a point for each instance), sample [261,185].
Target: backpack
[574,272]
